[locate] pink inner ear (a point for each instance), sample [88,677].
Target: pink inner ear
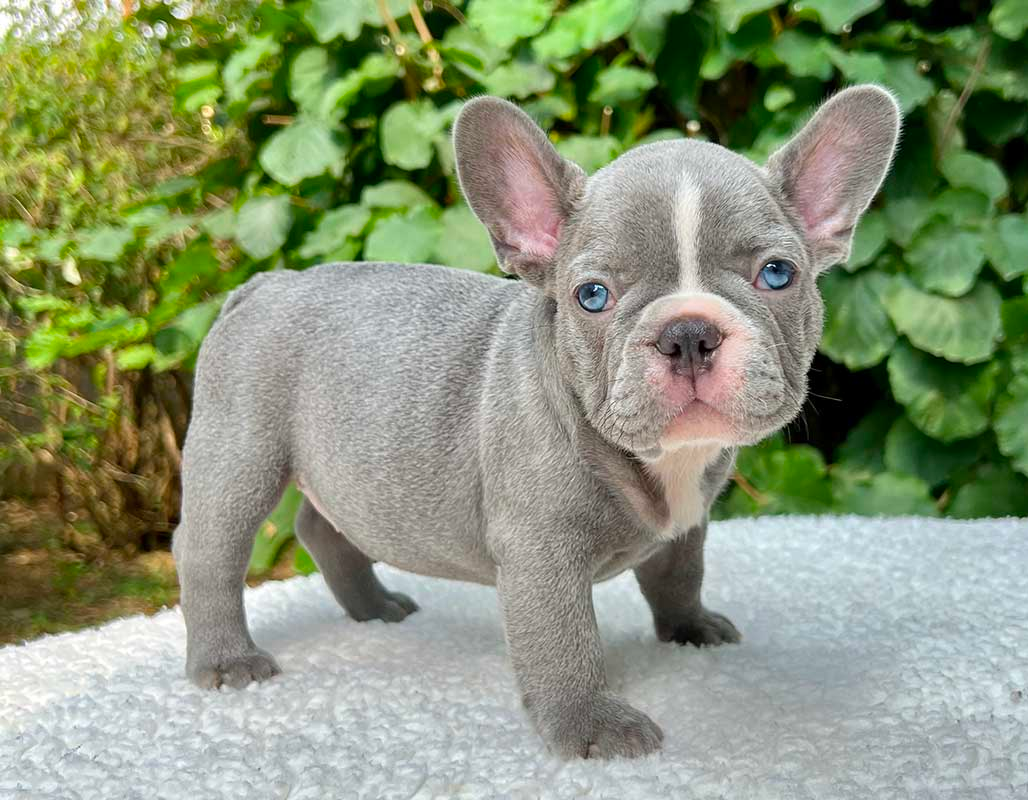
[533,214]
[820,194]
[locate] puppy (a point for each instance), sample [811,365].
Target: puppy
[538,435]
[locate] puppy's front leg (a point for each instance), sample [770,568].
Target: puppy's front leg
[670,581]
[558,658]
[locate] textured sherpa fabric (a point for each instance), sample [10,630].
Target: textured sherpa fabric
[880,659]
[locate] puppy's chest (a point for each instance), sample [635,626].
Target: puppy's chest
[680,474]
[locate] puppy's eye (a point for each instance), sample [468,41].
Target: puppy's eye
[775,275]
[594,297]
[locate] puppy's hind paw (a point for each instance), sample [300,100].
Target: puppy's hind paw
[705,629]
[235,672]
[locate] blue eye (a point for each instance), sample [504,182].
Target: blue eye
[593,297]
[776,275]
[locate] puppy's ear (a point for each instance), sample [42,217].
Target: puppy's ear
[830,171]
[516,183]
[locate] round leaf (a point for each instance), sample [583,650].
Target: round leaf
[305,149]
[649,30]
[331,18]
[946,259]
[1009,18]
[805,56]
[333,230]
[464,241]
[105,243]
[868,241]
[1007,246]
[946,401]
[1012,422]
[503,22]
[884,494]
[858,332]
[263,224]
[519,79]
[963,329]
[909,451]
[407,134]
[408,238]
[973,171]
[995,491]
[836,15]
[585,26]
[394,194]
[616,85]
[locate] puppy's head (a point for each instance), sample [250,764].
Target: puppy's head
[683,275]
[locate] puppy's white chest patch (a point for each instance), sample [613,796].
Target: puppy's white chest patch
[680,472]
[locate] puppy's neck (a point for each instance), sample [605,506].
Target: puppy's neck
[680,473]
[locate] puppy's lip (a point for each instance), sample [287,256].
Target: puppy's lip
[698,420]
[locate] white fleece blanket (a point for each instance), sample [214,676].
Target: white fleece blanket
[881,658]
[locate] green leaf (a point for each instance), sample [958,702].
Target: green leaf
[862,449]
[220,224]
[884,494]
[805,56]
[407,238]
[105,243]
[407,133]
[753,35]
[946,401]
[464,242]
[34,304]
[197,263]
[868,241]
[585,26]
[43,347]
[788,480]
[859,66]
[1012,422]
[304,149]
[858,332]
[275,532]
[241,69]
[1006,246]
[303,563]
[374,75]
[395,194]
[503,22]
[909,451]
[180,340]
[835,15]
[734,12]
[965,207]
[329,19]
[115,330]
[589,152]
[946,259]
[136,356]
[334,228]
[262,225]
[972,171]
[310,74]
[994,491]
[911,88]
[615,85]
[1009,18]
[649,30]
[964,329]
[778,96]
[519,79]
[905,217]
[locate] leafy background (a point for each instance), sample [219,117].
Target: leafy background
[149,165]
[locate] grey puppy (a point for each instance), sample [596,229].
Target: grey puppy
[541,434]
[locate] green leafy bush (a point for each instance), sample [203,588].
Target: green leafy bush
[329,123]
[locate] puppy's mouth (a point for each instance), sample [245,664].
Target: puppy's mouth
[698,422]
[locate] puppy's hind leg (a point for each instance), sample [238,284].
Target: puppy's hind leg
[226,492]
[347,571]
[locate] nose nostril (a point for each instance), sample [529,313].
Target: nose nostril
[691,339]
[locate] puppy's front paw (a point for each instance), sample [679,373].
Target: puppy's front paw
[236,672]
[606,727]
[387,606]
[705,628]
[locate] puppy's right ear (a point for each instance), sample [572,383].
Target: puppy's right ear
[516,183]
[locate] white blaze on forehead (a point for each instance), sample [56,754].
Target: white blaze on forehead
[687,224]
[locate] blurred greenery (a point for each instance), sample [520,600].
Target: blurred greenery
[149,166]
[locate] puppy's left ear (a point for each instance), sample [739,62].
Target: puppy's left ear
[830,171]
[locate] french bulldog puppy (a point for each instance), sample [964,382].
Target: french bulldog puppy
[540,434]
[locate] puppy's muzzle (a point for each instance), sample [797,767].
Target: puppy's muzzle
[689,343]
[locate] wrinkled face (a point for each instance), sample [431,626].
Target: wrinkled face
[683,275]
[687,304]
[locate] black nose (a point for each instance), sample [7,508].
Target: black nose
[690,341]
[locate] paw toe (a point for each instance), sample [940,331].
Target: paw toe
[707,629]
[236,673]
